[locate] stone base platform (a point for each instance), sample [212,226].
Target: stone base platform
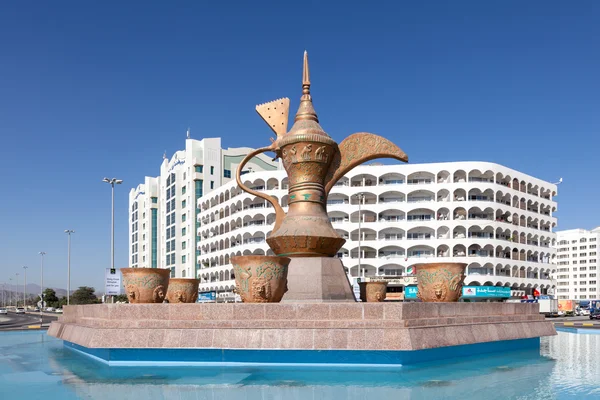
[374,330]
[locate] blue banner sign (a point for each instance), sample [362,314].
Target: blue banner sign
[485,291]
[410,292]
[206,297]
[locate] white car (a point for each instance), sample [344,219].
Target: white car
[20,310]
[3,311]
[59,310]
[584,312]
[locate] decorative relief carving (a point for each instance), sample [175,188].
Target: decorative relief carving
[440,282]
[145,285]
[261,279]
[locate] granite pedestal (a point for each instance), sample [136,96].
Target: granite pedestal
[316,280]
[376,333]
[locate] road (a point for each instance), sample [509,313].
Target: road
[24,321]
[576,322]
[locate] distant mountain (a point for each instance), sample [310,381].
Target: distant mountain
[33,289]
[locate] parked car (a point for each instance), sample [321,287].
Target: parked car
[3,311]
[20,310]
[595,314]
[50,309]
[59,310]
[584,312]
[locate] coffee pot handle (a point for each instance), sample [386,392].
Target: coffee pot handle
[279,213]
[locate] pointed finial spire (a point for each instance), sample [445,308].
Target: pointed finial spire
[165,155]
[306,111]
[305,75]
[188,133]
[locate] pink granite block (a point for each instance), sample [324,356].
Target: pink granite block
[279,324]
[305,324]
[183,311]
[153,311]
[447,309]
[376,323]
[288,338]
[204,338]
[249,311]
[216,312]
[182,324]
[280,311]
[253,338]
[304,339]
[338,338]
[522,308]
[396,339]
[357,339]
[321,339]
[312,311]
[346,311]
[156,338]
[392,311]
[374,339]
[508,308]
[271,339]
[123,311]
[373,310]
[172,338]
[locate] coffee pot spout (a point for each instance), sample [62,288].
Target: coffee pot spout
[357,149]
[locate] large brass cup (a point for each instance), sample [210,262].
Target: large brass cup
[373,292]
[183,290]
[260,279]
[146,285]
[440,282]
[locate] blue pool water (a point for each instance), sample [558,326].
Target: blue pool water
[35,366]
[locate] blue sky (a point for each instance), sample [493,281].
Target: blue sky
[94,89]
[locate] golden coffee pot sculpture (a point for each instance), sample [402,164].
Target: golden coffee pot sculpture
[314,163]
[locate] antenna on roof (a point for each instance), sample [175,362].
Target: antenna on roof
[165,155]
[188,133]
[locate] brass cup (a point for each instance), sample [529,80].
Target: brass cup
[183,290]
[146,285]
[373,292]
[260,279]
[440,282]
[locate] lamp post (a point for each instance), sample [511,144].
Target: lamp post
[68,232]
[24,287]
[17,292]
[42,254]
[112,182]
[10,298]
[360,197]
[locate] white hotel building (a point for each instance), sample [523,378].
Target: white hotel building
[163,218]
[496,219]
[577,264]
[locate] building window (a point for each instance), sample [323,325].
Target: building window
[183,217]
[198,168]
[212,184]
[173,272]
[183,190]
[183,273]
[183,259]
[212,170]
[183,231]
[227,173]
[168,260]
[183,204]
[172,258]
[154,200]
[172,191]
[183,245]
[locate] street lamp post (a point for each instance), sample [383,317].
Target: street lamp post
[360,197]
[42,254]
[112,182]
[24,287]
[68,232]
[17,292]
[10,298]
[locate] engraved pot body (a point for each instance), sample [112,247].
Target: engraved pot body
[260,279]
[373,292]
[183,290]
[146,285]
[440,282]
[305,231]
